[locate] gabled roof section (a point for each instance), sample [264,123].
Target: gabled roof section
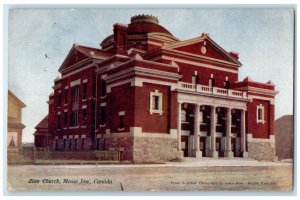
[42,124]
[78,53]
[22,105]
[194,46]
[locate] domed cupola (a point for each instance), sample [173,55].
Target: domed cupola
[141,24]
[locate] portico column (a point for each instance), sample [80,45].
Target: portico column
[179,127]
[228,151]
[243,133]
[213,151]
[197,152]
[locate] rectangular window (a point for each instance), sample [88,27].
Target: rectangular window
[226,84]
[103,88]
[65,119]
[59,99]
[121,124]
[76,143]
[82,143]
[211,82]
[195,79]
[58,122]
[260,118]
[70,144]
[66,96]
[156,102]
[74,118]
[84,93]
[84,117]
[75,94]
[65,143]
[102,118]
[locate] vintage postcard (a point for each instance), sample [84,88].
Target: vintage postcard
[150,99]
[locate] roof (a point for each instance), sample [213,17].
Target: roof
[16,98]
[146,24]
[146,27]
[43,124]
[89,50]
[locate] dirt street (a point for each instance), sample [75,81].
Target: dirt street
[191,175]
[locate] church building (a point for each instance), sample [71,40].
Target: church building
[154,97]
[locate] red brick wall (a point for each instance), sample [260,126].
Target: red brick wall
[196,49]
[187,71]
[121,98]
[153,123]
[88,74]
[258,130]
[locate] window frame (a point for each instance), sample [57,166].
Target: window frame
[152,110]
[260,114]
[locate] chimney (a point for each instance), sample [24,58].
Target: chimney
[120,38]
[234,54]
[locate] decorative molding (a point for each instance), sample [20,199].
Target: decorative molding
[74,83]
[160,99]
[271,100]
[199,64]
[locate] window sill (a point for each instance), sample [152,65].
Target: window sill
[121,129]
[73,127]
[103,97]
[101,126]
[160,112]
[260,121]
[83,126]
[65,128]
[84,99]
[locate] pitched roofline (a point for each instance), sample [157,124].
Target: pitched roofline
[16,98]
[199,39]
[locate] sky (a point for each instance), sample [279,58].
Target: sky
[40,39]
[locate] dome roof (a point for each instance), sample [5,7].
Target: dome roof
[146,24]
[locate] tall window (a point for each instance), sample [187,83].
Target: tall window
[65,119]
[75,106]
[121,120]
[226,84]
[156,102]
[211,82]
[74,118]
[260,116]
[58,121]
[66,95]
[59,99]
[82,143]
[103,88]
[102,117]
[84,93]
[84,117]
[75,94]
[195,79]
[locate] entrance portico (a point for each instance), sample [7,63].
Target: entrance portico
[211,126]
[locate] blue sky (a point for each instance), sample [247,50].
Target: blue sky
[264,39]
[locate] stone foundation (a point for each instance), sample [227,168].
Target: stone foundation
[154,149]
[261,149]
[122,142]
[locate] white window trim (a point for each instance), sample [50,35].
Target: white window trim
[260,106]
[74,83]
[121,113]
[159,111]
